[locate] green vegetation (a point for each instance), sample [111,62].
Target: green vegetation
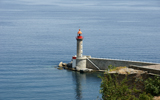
[115,88]
[153,86]
[111,89]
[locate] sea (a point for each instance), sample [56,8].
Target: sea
[35,35]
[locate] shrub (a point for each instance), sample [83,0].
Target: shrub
[153,86]
[145,96]
[112,90]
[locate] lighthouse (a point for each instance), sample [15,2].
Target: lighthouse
[80,59]
[79,44]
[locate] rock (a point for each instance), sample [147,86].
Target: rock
[129,71]
[85,70]
[69,65]
[156,98]
[82,71]
[60,64]
[64,64]
[73,69]
[60,68]
[122,72]
[90,70]
[65,67]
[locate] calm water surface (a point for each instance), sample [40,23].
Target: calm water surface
[35,35]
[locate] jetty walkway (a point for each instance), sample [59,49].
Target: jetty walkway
[154,69]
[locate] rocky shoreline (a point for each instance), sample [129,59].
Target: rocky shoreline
[68,66]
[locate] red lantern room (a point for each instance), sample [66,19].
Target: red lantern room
[79,34]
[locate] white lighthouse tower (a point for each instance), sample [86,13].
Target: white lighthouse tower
[80,59]
[79,44]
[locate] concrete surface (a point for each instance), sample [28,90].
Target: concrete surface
[104,63]
[155,69]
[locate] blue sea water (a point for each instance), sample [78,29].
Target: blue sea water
[35,35]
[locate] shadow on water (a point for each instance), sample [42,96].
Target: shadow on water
[85,84]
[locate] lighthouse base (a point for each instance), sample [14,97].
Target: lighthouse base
[84,70]
[81,63]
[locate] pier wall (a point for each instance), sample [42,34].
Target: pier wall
[103,64]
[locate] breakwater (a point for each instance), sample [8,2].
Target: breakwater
[103,63]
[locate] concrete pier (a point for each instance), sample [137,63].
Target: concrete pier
[155,69]
[83,63]
[103,63]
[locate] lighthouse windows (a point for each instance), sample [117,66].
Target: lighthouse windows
[81,45]
[81,48]
[81,52]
